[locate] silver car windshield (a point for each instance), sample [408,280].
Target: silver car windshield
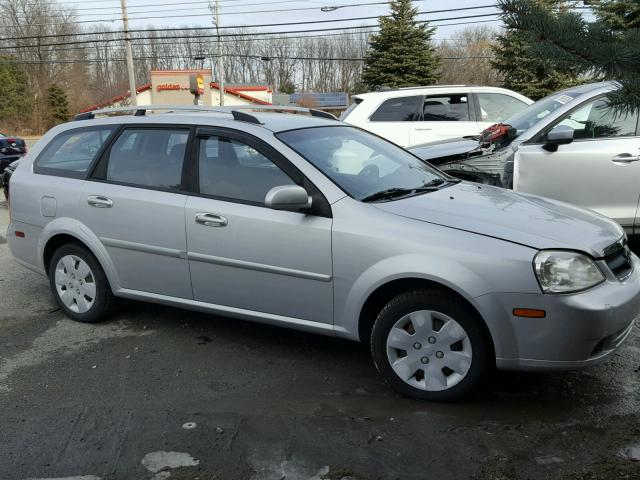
[363,164]
[527,118]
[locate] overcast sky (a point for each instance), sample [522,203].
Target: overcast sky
[253,12]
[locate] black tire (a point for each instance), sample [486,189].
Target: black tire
[482,356]
[104,300]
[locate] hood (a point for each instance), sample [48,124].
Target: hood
[447,150]
[529,220]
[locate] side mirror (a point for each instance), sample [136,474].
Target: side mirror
[558,135]
[288,197]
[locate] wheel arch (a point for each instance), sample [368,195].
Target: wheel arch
[387,291]
[65,230]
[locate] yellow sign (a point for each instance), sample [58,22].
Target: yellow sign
[200,82]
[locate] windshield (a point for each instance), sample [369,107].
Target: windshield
[527,118]
[360,163]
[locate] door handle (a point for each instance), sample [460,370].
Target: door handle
[99,201]
[625,158]
[211,220]
[423,129]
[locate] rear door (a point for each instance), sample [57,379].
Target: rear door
[599,170]
[444,116]
[244,255]
[134,202]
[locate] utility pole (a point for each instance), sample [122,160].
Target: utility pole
[129,53]
[215,10]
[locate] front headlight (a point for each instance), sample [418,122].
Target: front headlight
[565,272]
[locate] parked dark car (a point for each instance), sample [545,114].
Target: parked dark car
[6,175]
[11,149]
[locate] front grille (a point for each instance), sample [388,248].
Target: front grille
[619,262]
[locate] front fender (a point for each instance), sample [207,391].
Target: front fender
[468,284]
[74,228]
[445,272]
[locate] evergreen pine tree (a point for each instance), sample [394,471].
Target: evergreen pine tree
[401,53]
[58,105]
[525,72]
[618,15]
[17,99]
[597,48]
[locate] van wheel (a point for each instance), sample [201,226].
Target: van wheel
[428,344]
[79,284]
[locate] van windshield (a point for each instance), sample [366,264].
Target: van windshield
[362,164]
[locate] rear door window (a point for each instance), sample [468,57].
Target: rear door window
[446,108]
[148,157]
[402,109]
[71,153]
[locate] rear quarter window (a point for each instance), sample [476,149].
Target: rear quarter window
[71,153]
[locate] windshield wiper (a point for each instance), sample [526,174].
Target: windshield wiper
[395,192]
[389,193]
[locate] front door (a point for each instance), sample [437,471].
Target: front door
[244,255]
[599,170]
[135,202]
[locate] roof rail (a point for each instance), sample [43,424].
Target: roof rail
[277,108]
[245,117]
[385,88]
[234,110]
[141,110]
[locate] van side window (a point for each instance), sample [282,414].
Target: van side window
[72,152]
[148,157]
[402,109]
[446,108]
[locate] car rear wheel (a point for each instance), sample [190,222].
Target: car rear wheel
[430,345]
[79,284]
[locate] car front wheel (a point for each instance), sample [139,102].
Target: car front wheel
[79,284]
[430,345]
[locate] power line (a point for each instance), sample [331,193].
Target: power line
[226,55]
[260,4]
[308,22]
[178,4]
[233,35]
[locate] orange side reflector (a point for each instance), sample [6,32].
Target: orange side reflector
[19,234]
[529,313]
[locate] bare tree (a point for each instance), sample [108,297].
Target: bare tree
[466,57]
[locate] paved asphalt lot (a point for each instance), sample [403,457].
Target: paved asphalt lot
[162,393]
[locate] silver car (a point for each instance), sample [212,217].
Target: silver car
[312,224]
[570,146]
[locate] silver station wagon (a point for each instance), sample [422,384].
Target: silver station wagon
[306,222]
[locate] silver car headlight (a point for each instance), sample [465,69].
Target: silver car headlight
[565,272]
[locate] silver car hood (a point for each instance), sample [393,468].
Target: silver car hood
[529,220]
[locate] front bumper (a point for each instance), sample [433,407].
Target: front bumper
[579,329]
